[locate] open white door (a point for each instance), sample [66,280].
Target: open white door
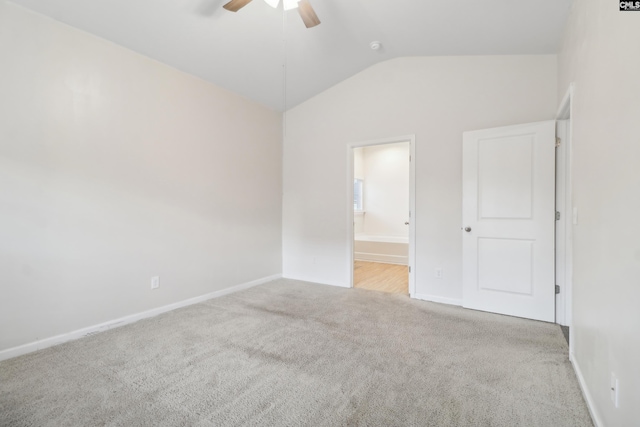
[508,212]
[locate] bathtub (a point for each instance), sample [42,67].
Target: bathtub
[387,249]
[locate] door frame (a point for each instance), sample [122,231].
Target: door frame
[411,139]
[564,236]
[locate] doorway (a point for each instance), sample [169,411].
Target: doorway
[381,206]
[495,281]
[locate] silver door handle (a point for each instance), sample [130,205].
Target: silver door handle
[467,229]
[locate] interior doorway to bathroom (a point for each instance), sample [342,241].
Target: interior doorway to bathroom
[381,208]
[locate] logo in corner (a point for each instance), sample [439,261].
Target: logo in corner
[629,6]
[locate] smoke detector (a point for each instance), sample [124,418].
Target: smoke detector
[375,45]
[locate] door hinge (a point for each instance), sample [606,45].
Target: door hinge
[409,269]
[558,141]
[557,289]
[557,216]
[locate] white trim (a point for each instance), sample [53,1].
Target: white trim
[381,239]
[90,330]
[564,110]
[595,416]
[412,204]
[383,258]
[413,216]
[435,298]
[564,253]
[560,225]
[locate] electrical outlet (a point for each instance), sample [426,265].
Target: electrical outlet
[615,390]
[155,282]
[438,273]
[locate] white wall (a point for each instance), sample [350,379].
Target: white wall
[115,168]
[600,54]
[386,189]
[435,98]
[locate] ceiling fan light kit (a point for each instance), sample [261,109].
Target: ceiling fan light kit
[272,3]
[290,4]
[307,13]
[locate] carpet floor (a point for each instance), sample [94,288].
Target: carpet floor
[290,353]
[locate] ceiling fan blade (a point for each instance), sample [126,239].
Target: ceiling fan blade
[307,14]
[236,5]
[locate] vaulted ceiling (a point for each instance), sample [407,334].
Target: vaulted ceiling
[255,51]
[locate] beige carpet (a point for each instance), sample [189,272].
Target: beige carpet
[294,354]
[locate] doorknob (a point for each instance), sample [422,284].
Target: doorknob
[406,223]
[467,229]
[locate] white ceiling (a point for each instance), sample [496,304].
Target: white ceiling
[245,51]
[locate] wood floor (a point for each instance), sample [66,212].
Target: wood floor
[376,276]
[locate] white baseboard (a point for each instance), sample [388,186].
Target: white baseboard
[595,417]
[90,330]
[435,298]
[384,258]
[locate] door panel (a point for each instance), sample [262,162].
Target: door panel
[508,207]
[495,275]
[505,188]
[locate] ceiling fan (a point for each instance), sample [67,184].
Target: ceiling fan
[307,13]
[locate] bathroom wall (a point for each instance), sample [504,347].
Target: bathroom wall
[386,190]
